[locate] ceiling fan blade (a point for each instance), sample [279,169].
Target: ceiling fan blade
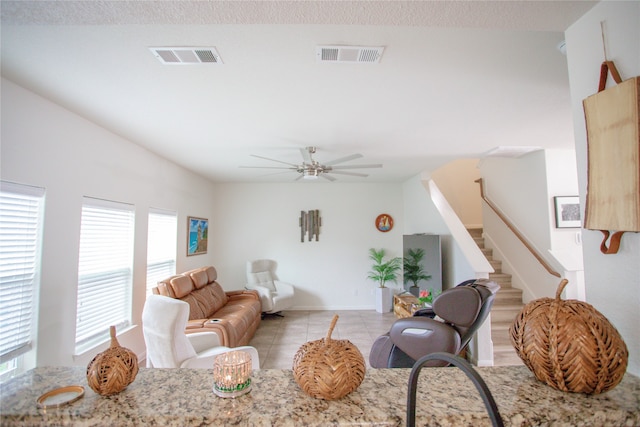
[268,167]
[274,160]
[306,154]
[349,173]
[328,177]
[270,174]
[343,159]
[356,166]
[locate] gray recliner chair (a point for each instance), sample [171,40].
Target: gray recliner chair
[459,312]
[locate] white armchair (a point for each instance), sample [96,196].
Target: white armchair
[164,320]
[275,295]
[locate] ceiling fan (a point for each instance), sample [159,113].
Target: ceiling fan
[312,169]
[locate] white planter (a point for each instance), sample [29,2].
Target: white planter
[384,297]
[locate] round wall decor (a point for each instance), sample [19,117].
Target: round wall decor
[384,222]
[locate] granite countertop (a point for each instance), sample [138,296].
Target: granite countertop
[446,397]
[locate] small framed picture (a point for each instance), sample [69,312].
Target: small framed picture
[384,222]
[567,211]
[197,234]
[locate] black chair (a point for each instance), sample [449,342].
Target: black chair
[460,312]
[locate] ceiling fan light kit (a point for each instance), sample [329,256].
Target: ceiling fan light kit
[311,169]
[310,174]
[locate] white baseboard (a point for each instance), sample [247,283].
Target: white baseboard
[142,358]
[484,362]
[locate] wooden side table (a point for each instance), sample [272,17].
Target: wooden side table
[405,305]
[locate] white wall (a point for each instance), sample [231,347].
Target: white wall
[518,186]
[261,221]
[523,189]
[562,180]
[71,157]
[612,281]
[527,273]
[420,214]
[47,146]
[456,180]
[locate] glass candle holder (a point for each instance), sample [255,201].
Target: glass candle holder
[232,374]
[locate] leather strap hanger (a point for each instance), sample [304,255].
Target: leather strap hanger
[605,68]
[614,244]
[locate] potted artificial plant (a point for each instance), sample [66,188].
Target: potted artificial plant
[382,272]
[413,270]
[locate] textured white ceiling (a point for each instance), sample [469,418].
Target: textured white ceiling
[456,79]
[521,15]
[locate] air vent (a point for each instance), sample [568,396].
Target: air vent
[358,54]
[186,55]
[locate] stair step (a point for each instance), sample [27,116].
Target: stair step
[475,232]
[503,279]
[506,307]
[505,312]
[479,241]
[488,253]
[508,296]
[500,326]
[497,265]
[501,338]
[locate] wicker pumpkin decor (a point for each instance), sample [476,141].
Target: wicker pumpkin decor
[328,369]
[113,370]
[569,345]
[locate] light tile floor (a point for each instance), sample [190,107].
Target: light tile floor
[279,338]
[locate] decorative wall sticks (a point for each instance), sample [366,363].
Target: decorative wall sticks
[310,223]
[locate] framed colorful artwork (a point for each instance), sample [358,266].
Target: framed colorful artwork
[384,222]
[197,234]
[567,211]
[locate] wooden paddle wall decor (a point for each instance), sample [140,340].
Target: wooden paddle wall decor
[613,150]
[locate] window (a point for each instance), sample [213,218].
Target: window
[104,270]
[161,246]
[21,213]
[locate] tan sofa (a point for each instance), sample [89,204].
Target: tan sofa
[233,315]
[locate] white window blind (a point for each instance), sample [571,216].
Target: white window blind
[21,212]
[161,246]
[104,270]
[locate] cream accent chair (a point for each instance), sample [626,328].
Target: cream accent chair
[164,320]
[275,295]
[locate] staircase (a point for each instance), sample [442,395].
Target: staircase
[506,306]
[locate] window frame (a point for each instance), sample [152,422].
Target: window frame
[104,226]
[28,259]
[152,278]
